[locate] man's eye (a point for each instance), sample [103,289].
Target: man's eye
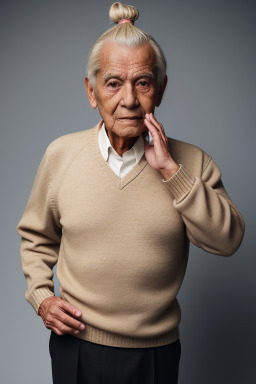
[113,84]
[143,83]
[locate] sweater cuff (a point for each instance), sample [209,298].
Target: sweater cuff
[38,296]
[180,184]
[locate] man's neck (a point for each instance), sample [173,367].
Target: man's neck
[120,144]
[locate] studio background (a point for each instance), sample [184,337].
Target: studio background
[209,102]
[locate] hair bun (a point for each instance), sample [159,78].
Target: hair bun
[120,11]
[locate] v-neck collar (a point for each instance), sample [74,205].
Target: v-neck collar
[119,182]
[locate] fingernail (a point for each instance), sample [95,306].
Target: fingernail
[78,313]
[82,326]
[76,332]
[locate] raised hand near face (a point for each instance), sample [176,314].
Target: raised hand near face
[158,156]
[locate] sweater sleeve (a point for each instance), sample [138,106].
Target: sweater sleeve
[40,232]
[212,221]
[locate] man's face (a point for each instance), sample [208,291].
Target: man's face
[125,88]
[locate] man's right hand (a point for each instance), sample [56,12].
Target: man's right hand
[55,314]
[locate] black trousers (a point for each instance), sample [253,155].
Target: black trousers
[76,361]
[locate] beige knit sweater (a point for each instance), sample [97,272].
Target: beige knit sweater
[122,244]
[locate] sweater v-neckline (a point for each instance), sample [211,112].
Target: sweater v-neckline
[119,182]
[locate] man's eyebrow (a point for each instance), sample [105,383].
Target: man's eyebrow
[110,75]
[150,75]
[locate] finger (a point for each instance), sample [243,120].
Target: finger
[63,328]
[57,331]
[154,121]
[59,327]
[159,138]
[158,125]
[69,308]
[68,320]
[154,131]
[54,329]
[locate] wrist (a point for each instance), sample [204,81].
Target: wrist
[169,170]
[41,306]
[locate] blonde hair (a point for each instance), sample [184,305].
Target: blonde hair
[126,34]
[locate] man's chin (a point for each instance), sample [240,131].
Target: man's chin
[129,129]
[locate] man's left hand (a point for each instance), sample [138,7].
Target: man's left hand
[158,156]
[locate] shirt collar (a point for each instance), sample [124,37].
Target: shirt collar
[105,145]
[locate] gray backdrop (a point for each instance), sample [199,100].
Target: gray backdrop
[209,101]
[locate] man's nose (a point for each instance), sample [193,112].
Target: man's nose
[129,96]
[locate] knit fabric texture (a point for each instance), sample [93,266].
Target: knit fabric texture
[121,244]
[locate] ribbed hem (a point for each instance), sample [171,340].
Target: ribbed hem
[180,184]
[98,336]
[38,296]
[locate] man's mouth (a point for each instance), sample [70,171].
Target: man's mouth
[131,118]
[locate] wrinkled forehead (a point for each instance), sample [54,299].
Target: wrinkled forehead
[126,61]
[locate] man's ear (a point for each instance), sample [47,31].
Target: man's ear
[90,93]
[161,91]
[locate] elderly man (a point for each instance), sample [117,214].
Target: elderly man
[117,212]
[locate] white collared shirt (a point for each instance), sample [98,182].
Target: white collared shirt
[120,165]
